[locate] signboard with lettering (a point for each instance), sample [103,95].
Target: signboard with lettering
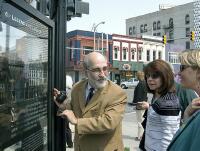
[23,81]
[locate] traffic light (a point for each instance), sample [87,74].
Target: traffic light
[164,39]
[192,35]
[75,8]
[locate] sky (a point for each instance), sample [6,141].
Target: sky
[115,13]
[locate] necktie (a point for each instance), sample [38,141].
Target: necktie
[90,94]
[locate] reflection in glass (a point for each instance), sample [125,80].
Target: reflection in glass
[23,82]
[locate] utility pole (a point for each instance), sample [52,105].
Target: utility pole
[59,76]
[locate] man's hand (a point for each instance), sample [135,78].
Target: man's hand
[61,106]
[69,114]
[192,108]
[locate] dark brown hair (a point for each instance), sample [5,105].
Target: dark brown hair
[165,73]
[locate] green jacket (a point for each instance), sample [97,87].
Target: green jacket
[185,96]
[188,136]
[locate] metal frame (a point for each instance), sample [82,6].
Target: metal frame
[51,115]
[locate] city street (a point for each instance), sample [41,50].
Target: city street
[129,124]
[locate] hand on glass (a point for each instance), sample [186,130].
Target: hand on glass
[69,114]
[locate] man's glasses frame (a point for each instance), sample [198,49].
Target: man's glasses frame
[99,70]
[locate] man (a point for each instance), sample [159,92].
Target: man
[98,121]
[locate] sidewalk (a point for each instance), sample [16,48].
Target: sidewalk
[129,130]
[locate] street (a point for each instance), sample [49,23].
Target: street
[129,124]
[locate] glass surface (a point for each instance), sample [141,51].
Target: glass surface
[23,81]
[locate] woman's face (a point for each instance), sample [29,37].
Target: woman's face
[188,76]
[154,81]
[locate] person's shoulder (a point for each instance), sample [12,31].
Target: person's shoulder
[114,87]
[79,84]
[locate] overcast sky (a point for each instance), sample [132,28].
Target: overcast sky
[115,12]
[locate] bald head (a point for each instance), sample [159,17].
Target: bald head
[93,59]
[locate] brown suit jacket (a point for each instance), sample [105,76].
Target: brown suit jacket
[99,125]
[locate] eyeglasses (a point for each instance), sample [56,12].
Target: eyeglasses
[99,70]
[153,75]
[183,67]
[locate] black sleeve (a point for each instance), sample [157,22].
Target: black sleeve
[140,93]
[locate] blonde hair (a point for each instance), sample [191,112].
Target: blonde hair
[190,58]
[140,75]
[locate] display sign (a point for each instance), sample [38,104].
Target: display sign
[23,81]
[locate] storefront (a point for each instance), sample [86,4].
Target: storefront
[26,81]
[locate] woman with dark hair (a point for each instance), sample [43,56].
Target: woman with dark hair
[163,116]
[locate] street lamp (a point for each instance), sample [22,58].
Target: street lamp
[95,27]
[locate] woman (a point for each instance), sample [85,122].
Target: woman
[163,116]
[187,138]
[140,95]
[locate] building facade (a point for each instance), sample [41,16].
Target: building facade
[126,55]
[175,22]
[80,43]
[131,54]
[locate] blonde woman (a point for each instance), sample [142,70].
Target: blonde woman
[140,95]
[187,138]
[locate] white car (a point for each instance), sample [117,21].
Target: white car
[132,82]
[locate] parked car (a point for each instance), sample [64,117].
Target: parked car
[132,82]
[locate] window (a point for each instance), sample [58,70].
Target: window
[154,25]
[145,27]
[124,53]
[187,19]
[133,50]
[140,49]
[158,34]
[115,53]
[154,55]
[154,34]
[159,55]
[141,29]
[173,57]
[133,30]
[158,24]
[171,23]
[187,45]
[187,32]
[87,50]
[130,31]
[140,55]
[148,55]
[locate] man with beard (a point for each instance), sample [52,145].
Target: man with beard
[96,108]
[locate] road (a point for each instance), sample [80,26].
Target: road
[129,124]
